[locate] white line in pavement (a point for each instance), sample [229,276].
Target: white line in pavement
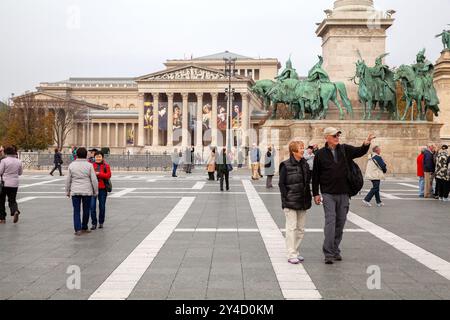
[294,281]
[26,199]
[422,256]
[241,230]
[199,186]
[39,183]
[122,281]
[409,185]
[389,196]
[151,180]
[122,193]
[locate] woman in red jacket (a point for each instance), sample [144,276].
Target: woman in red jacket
[103,172]
[420,173]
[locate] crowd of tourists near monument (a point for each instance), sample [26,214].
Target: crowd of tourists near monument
[88,182]
[433,171]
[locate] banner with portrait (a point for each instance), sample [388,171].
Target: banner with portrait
[236,121]
[148,115]
[162,116]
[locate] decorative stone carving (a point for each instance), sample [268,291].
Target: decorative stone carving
[190,73]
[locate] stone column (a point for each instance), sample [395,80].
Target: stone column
[75,134]
[214,96]
[155,119]
[91,138]
[141,130]
[352,25]
[83,137]
[125,134]
[199,128]
[442,84]
[245,118]
[117,135]
[108,135]
[100,125]
[185,124]
[170,120]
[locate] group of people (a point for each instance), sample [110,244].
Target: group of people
[330,188]
[88,182]
[433,171]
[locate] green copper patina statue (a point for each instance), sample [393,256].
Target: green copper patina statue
[376,86]
[317,73]
[445,39]
[309,96]
[288,73]
[417,82]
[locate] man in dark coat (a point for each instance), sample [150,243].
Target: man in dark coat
[330,173]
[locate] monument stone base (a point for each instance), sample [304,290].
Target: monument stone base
[400,141]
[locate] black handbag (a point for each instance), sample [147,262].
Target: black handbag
[355,177]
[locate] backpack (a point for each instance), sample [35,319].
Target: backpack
[355,177]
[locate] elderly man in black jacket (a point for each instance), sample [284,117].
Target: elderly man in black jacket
[295,198]
[330,174]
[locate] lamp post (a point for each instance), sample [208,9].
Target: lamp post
[230,70]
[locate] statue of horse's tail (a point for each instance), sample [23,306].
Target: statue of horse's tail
[340,86]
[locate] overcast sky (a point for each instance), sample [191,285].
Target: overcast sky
[49,40]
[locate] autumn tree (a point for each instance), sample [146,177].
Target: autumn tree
[29,126]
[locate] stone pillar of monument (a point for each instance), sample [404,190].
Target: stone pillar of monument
[442,84]
[351,26]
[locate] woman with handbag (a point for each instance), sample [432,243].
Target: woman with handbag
[10,170]
[211,167]
[103,172]
[376,169]
[269,167]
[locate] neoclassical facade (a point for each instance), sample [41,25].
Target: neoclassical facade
[182,105]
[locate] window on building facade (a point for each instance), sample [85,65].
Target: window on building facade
[256,74]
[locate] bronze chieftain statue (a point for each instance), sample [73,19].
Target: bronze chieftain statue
[376,87]
[417,82]
[445,39]
[309,96]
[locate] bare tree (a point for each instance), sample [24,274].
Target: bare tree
[66,114]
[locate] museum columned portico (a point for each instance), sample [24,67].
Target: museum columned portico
[191,107]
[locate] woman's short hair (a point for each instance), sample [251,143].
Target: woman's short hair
[82,153]
[99,153]
[374,149]
[294,146]
[56,150]
[10,151]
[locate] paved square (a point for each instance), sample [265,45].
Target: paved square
[181,238]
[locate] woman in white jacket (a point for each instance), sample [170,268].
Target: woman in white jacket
[376,169]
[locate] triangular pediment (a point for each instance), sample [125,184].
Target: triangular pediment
[186,73]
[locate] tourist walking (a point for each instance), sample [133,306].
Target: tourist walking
[295,198]
[57,161]
[442,174]
[224,168]
[10,170]
[211,165]
[331,174]
[309,157]
[420,173]
[255,158]
[175,162]
[269,167]
[429,168]
[103,172]
[73,153]
[81,186]
[375,171]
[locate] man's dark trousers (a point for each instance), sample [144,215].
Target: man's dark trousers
[336,207]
